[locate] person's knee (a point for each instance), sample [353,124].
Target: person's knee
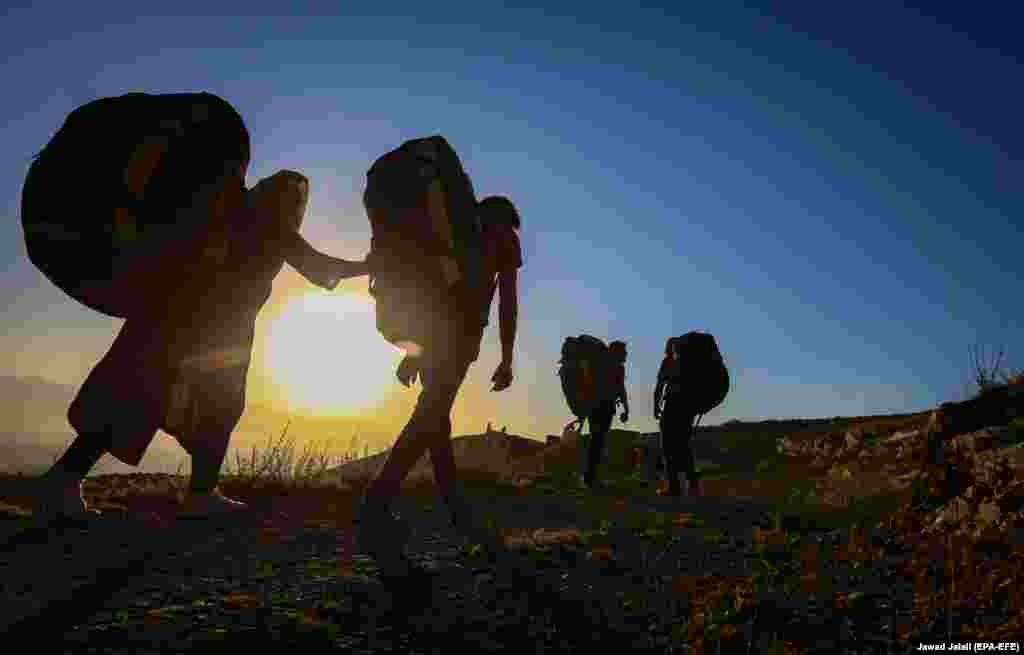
[209,440]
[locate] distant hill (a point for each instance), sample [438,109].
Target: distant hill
[487,451]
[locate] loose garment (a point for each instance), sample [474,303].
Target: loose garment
[181,365]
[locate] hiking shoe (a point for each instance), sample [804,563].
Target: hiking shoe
[60,499]
[383,536]
[210,505]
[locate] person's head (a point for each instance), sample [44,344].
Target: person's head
[618,350]
[283,197]
[670,347]
[499,210]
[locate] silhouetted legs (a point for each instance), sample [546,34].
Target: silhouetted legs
[676,432]
[600,423]
[217,401]
[83,454]
[429,428]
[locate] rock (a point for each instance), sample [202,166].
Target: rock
[902,436]
[955,511]
[852,441]
[974,442]
[818,464]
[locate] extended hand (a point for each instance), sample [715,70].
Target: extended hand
[407,371]
[502,377]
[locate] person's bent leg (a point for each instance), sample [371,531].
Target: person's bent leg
[60,493]
[670,452]
[600,424]
[688,463]
[414,440]
[83,454]
[686,444]
[207,462]
[204,497]
[219,400]
[442,459]
[597,439]
[382,534]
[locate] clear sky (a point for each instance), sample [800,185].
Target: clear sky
[831,194]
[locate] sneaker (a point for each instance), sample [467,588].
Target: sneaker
[215,503]
[60,498]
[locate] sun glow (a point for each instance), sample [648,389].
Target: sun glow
[325,356]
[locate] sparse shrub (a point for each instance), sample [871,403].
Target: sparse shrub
[1016,428]
[988,368]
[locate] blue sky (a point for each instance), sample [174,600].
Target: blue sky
[831,194]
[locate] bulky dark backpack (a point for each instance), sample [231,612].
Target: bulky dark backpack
[122,185]
[585,371]
[704,378]
[413,195]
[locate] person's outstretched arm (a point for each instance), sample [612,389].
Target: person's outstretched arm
[508,311]
[319,268]
[625,401]
[658,389]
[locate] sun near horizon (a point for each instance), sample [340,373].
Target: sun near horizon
[324,357]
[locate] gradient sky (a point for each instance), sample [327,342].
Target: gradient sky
[832,194]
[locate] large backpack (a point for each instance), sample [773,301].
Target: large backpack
[113,204]
[422,210]
[585,370]
[702,377]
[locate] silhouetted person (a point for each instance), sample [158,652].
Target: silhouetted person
[676,420]
[601,418]
[181,365]
[442,367]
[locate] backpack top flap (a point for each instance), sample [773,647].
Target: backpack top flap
[699,349]
[399,203]
[459,194]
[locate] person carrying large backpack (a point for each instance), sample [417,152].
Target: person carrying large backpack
[437,259]
[149,192]
[594,383]
[692,380]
